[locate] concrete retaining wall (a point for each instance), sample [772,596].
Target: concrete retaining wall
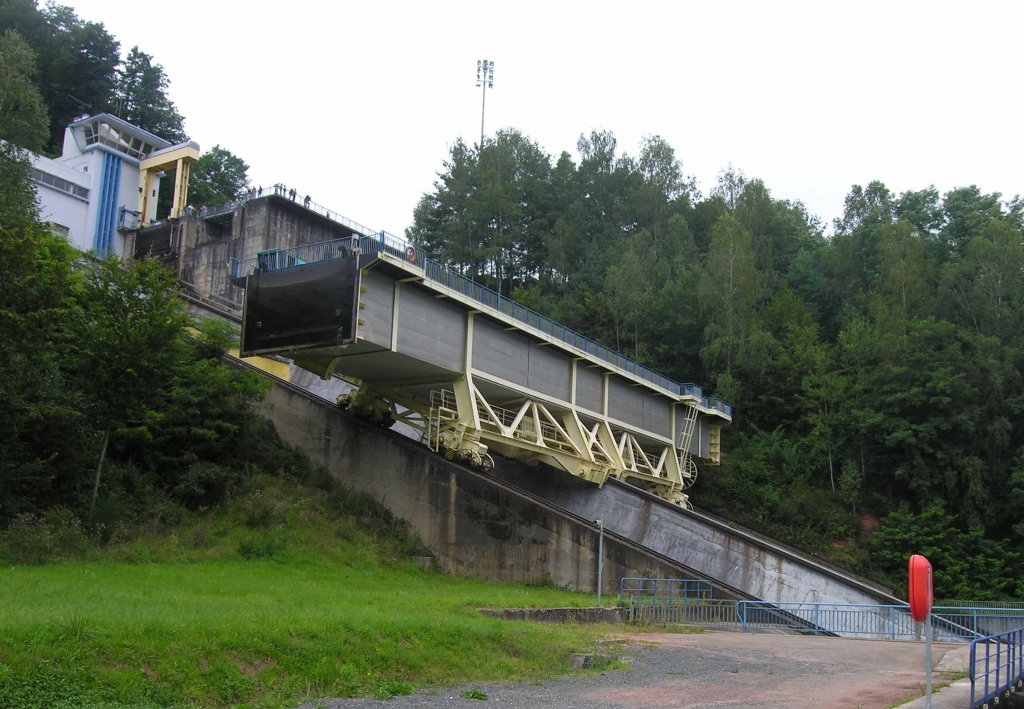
[473,525]
[477,528]
[756,569]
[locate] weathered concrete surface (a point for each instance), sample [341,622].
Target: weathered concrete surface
[558,615]
[473,525]
[759,567]
[476,529]
[771,574]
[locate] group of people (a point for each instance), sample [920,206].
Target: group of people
[255,193]
[292,194]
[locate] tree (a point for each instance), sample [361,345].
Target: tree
[77,61]
[39,419]
[218,176]
[904,275]
[731,287]
[133,322]
[23,119]
[23,126]
[140,97]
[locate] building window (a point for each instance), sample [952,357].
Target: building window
[59,229]
[101,133]
[45,178]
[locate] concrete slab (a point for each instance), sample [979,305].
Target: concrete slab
[956,660]
[955,696]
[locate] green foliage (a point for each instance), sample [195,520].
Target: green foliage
[210,612]
[140,97]
[217,177]
[37,540]
[878,368]
[474,694]
[23,118]
[849,482]
[102,368]
[77,61]
[80,70]
[259,545]
[966,564]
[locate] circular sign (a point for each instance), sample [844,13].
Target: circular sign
[410,254]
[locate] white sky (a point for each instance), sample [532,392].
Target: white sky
[357,103]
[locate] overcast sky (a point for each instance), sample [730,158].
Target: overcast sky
[356,104]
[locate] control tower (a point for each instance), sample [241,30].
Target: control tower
[474,372]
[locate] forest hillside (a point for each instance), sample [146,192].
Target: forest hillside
[874,364]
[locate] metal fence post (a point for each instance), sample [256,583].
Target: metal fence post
[892,622]
[816,607]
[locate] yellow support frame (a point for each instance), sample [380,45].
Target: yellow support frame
[179,159]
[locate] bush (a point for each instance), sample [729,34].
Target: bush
[204,485]
[37,540]
[260,545]
[259,510]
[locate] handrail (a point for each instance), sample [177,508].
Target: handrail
[279,190]
[1003,668]
[278,259]
[876,620]
[663,591]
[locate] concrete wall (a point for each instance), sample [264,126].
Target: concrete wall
[754,567]
[474,526]
[256,225]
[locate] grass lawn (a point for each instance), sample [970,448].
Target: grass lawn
[327,615]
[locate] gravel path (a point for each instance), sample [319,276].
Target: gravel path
[721,670]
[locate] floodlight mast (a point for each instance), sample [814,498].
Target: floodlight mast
[485,79]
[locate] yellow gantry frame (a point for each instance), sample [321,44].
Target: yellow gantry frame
[180,159]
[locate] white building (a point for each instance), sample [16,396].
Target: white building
[106,181]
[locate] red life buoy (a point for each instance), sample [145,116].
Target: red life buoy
[410,255]
[920,587]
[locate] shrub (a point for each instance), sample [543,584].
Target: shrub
[204,484]
[37,540]
[259,510]
[260,545]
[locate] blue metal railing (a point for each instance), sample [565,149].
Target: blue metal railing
[644,591]
[128,219]
[878,621]
[384,243]
[996,666]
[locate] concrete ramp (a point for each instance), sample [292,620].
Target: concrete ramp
[758,566]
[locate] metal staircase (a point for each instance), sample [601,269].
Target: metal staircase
[687,468]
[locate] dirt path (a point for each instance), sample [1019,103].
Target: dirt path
[715,669]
